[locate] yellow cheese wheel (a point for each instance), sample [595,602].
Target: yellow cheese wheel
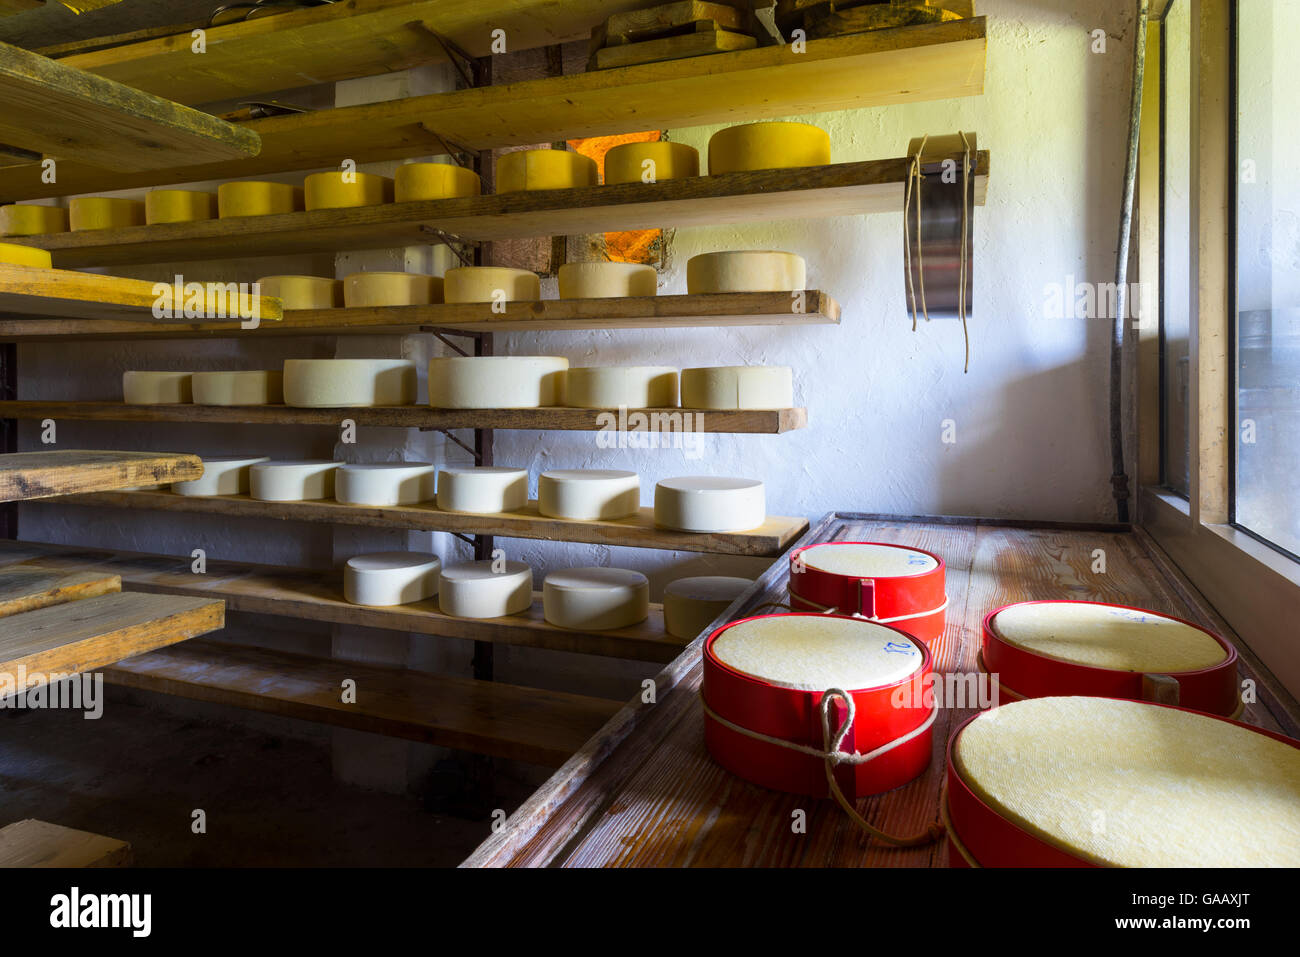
[179,206]
[304,292]
[692,604]
[246,387]
[609,387]
[738,387]
[339,190]
[32,220]
[341,383]
[544,169]
[372,289]
[254,198]
[16,255]
[650,162]
[607,280]
[491,284]
[416,181]
[769,145]
[104,212]
[749,270]
[156,388]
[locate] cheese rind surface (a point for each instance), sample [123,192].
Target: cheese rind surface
[380,289]
[588,494]
[339,190]
[283,480]
[222,475]
[867,560]
[710,503]
[104,212]
[522,170]
[768,145]
[257,198]
[608,387]
[595,599]
[745,270]
[32,219]
[156,388]
[691,604]
[385,483]
[178,206]
[464,284]
[650,162]
[338,383]
[16,255]
[391,578]
[482,490]
[738,387]
[247,387]
[496,382]
[485,589]
[417,181]
[303,292]
[607,280]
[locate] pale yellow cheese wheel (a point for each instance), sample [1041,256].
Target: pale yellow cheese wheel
[544,169]
[650,162]
[385,483]
[380,289]
[491,284]
[485,589]
[710,503]
[222,475]
[16,255]
[246,387]
[417,181]
[482,489]
[282,480]
[1131,784]
[496,382]
[342,383]
[607,280]
[384,579]
[339,190]
[609,387]
[156,388]
[178,206]
[304,292]
[595,599]
[104,212]
[738,387]
[32,220]
[768,145]
[867,560]
[692,604]
[747,270]
[255,198]
[588,494]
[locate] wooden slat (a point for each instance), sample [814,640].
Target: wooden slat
[28,586]
[9,8]
[28,475]
[909,64]
[508,721]
[33,843]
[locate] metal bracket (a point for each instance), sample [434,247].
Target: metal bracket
[452,242]
[462,61]
[468,448]
[448,343]
[467,539]
[461,154]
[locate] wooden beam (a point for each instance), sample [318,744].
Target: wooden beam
[33,843]
[29,475]
[31,585]
[9,8]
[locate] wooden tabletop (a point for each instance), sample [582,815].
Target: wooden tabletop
[28,475]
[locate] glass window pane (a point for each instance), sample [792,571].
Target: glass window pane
[1175,245]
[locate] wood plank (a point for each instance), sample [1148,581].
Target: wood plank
[9,8]
[28,586]
[910,64]
[28,475]
[33,843]
[56,109]
[487,717]
[632,26]
[701,43]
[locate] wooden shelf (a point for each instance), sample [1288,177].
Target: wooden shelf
[29,475]
[33,843]
[841,189]
[549,315]
[903,65]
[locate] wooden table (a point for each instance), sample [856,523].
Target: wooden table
[644,792]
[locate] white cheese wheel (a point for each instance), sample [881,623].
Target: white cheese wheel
[1130,784]
[482,489]
[380,289]
[281,480]
[385,483]
[416,181]
[222,475]
[768,145]
[691,604]
[608,387]
[14,254]
[748,270]
[391,578]
[813,653]
[178,206]
[522,170]
[588,494]
[156,388]
[484,589]
[867,560]
[253,198]
[104,212]
[490,284]
[496,382]
[709,503]
[303,292]
[262,387]
[339,190]
[595,599]
[340,383]
[738,387]
[25,219]
[650,162]
[607,280]
[1123,639]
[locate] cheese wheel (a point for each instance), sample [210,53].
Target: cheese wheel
[371,289]
[391,578]
[709,503]
[595,599]
[416,181]
[281,480]
[253,198]
[609,387]
[768,145]
[483,589]
[1106,636]
[104,212]
[738,387]
[339,383]
[813,653]
[490,284]
[747,270]
[303,292]
[238,388]
[222,475]
[496,382]
[156,388]
[482,490]
[868,560]
[1130,784]
[692,604]
[178,206]
[544,169]
[588,494]
[607,280]
[650,162]
[339,190]
[385,483]
[16,255]
[32,220]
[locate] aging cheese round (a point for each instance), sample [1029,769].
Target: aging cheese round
[1117,783]
[650,162]
[868,560]
[485,589]
[16,255]
[595,599]
[156,388]
[609,387]
[254,198]
[692,604]
[339,190]
[482,489]
[303,292]
[745,270]
[544,169]
[391,578]
[607,280]
[490,284]
[371,289]
[768,145]
[262,387]
[104,212]
[385,483]
[339,383]
[588,494]
[281,480]
[417,181]
[178,206]
[496,382]
[738,387]
[222,475]
[710,503]
[21,219]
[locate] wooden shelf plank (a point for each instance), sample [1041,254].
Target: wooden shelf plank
[903,65]
[840,189]
[52,108]
[487,717]
[31,585]
[33,843]
[28,475]
[9,8]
